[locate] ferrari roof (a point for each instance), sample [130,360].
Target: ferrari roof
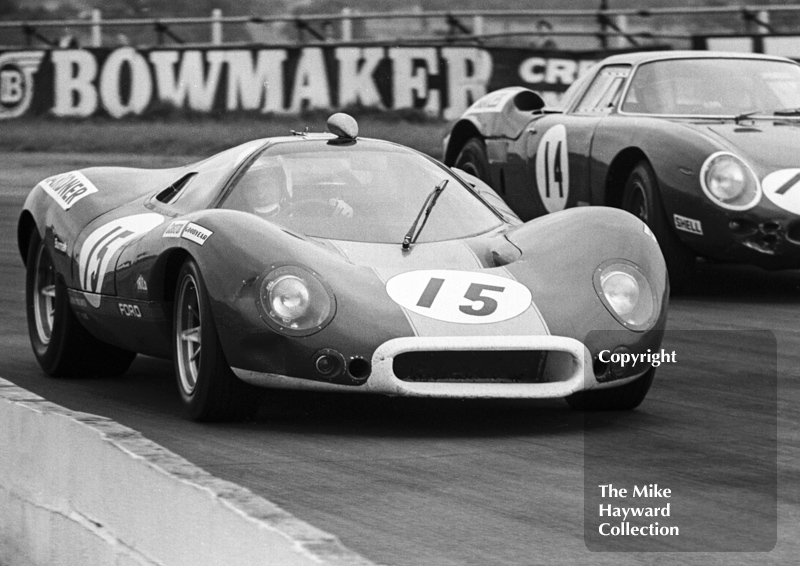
[638,57]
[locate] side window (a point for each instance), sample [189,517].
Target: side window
[605,91]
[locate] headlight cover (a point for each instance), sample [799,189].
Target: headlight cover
[294,301]
[626,294]
[729,182]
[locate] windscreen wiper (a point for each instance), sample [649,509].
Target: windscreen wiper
[739,117]
[787,112]
[427,206]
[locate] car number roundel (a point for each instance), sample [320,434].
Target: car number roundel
[100,247]
[462,297]
[783,188]
[552,169]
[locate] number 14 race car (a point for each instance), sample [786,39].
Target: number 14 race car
[331,262]
[702,146]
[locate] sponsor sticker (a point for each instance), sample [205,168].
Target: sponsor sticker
[141,284]
[688,224]
[493,102]
[59,244]
[552,169]
[461,297]
[17,72]
[78,301]
[196,233]
[102,245]
[174,230]
[68,188]
[126,309]
[783,189]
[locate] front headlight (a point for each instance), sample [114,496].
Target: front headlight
[626,293]
[729,182]
[294,301]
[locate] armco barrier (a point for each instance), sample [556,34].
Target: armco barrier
[78,489]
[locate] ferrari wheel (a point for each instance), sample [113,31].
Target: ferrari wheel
[642,199]
[62,346]
[208,388]
[472,159]
[622,398]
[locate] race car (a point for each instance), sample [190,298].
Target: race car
[699,145]
[332,262]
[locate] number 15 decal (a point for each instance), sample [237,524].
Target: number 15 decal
[459,296]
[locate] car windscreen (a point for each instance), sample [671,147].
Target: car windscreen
[713,87]
[366,191]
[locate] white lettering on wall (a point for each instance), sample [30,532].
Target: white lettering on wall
[469,71]
[140,88]
[249,84]
[192,82]
[412,67]
[310,89]
[74,72]
[356,81]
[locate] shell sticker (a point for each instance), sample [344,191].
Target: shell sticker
[552,169]
[462,297]
[783,189]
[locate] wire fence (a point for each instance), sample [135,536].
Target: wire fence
[581,29]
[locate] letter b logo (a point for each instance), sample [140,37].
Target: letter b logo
[12,86]
[17,70]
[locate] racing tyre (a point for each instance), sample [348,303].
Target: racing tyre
[642,199]
[622,398]
[62,346]
[209,389]
[472,159]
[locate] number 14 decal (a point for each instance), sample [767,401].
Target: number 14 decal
[474,293]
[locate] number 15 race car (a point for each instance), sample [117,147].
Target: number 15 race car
[330,262]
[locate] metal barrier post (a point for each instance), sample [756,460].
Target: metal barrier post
[622,27]
[97,31]
[602,20]
[347,25]
[764,26]
[477,25]
[216,26]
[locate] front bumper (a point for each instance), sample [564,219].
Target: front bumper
[568,369]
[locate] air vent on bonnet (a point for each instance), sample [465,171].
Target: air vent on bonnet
[170,193]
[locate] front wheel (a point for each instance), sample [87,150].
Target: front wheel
[641,198]
[62,346]
[208,388]
[622,398]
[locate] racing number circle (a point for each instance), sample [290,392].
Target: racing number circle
[783,189]
[459,296]
[552,169]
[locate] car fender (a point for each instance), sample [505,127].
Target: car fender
[237,250]
[675,150]
[503,113]
[560,254]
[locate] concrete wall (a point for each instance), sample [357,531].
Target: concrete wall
[78,489]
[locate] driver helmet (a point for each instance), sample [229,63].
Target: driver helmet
[267,189]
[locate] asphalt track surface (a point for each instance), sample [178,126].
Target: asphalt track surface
[410,482]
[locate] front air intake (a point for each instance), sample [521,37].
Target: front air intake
[471,366]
